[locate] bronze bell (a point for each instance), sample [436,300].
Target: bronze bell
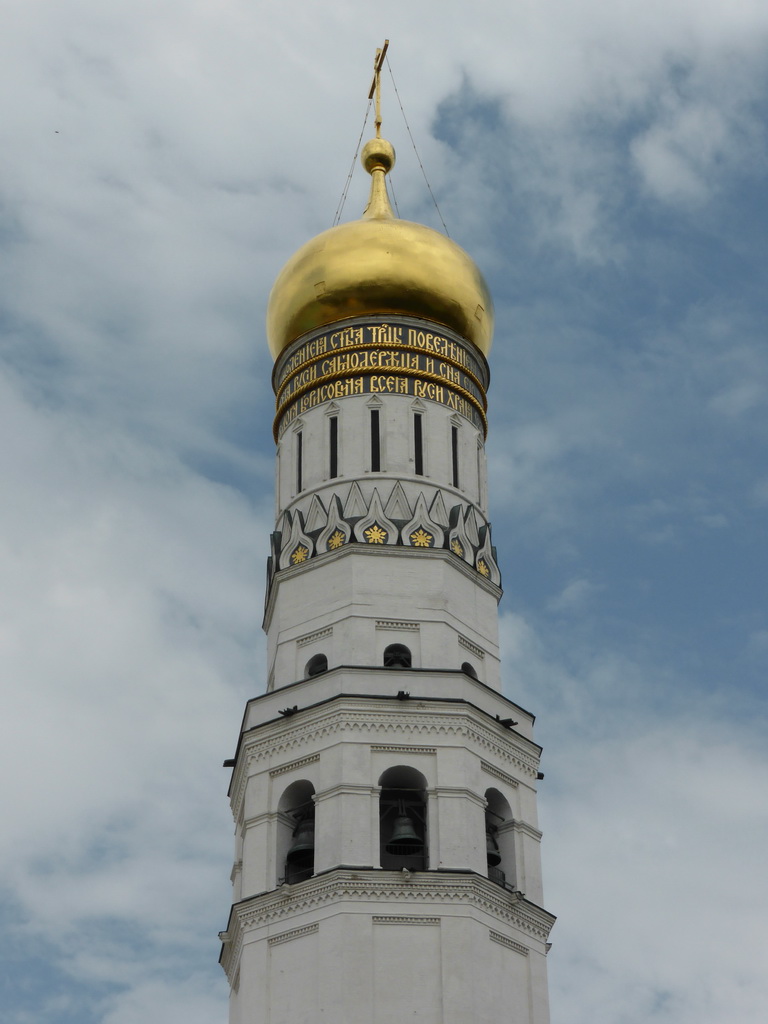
[492,847]
[403,834]
[303,845]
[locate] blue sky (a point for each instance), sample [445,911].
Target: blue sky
[605,164]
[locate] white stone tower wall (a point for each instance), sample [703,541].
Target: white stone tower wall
[397,452]
[387,860]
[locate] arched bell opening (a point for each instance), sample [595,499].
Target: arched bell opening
[403,819]
[397,656]
[499,839]
[296,833]
[316,665]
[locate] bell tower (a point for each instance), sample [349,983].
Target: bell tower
[383,789]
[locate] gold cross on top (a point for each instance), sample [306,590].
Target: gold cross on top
[376,84]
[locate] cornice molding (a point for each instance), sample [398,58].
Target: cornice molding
[353,887]
[369,718]
[345,789]
[458,792]
[259,819]
[528,830]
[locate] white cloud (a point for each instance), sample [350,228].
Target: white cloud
[738,399]
[187,1003]
[653,823]
[128,646]
[682,154]
[648,838]
[573,596]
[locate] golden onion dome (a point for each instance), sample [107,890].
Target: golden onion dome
[379,265]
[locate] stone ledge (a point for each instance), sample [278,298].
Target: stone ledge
[346,889]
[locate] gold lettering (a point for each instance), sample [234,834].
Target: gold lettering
[460,405]
[388,384]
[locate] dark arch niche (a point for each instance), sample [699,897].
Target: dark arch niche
[317,664]
[403,819]
[499,839]
[296,833]
[397,656]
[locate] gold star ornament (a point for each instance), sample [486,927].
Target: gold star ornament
[421,539]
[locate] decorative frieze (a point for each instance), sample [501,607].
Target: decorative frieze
[393,748]
[294,933]
[399,624]
[422,531]
[307,530]
[509,943]
[491,769]
[376,527]
[302,761]
[310,638]
[404,919]
[472,648]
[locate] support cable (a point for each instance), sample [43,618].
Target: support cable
[345,190]
[410,136]
[391,187]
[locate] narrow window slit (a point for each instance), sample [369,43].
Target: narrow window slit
[375,442]
[333,430]
[418,445]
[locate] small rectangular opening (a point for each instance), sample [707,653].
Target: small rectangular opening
[375,442]
[418,445]
[299,461]
[455,455]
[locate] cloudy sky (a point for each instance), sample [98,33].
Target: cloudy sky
[605,163]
